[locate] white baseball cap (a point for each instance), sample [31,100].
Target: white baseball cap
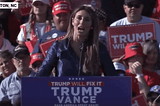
[43,1]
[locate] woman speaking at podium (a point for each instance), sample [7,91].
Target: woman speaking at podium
[79,53]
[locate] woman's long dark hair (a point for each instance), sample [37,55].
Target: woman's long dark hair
[91,55]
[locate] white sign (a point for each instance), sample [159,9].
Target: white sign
[8,5]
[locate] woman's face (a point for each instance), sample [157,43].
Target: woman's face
[39,8]
[82,23]
[152,57]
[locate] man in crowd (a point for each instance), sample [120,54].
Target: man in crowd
[142,79]
[6,65]
[10,88]
[4,43]
[133,10]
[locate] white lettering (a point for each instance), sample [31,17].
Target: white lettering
[140,37]
[134,37]
[55,89]
[76,99]
[85,97]
[60,100]
[118,46]
[97,90]
[8,5]
[93,99]
[114,38]
[68,100]
[129,38]
[149,35]
[64,90]
[122,38]
[85,91]
[73,93]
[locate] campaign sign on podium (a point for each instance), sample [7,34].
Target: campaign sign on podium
[119,36]
[76,91]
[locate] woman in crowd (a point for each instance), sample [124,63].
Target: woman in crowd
[39,22]
[4,43]
[151,50]
[79,53]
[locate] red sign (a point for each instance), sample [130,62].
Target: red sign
[119,36]
[30,45]
[139,101]
[46,45]
[25,10]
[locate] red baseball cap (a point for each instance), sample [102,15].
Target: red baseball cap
[61,7]
[36,57]
[133,49]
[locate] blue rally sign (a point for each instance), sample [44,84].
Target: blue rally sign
[76,91]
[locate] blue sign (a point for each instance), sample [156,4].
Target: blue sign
[76,91]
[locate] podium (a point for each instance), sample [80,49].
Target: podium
[76,91]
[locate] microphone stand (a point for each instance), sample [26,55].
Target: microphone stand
[82,49]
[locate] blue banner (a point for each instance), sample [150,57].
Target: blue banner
[76,91]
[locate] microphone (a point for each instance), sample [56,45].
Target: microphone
[81,46]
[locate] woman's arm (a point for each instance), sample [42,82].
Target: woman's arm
[106,62]
[50,61]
